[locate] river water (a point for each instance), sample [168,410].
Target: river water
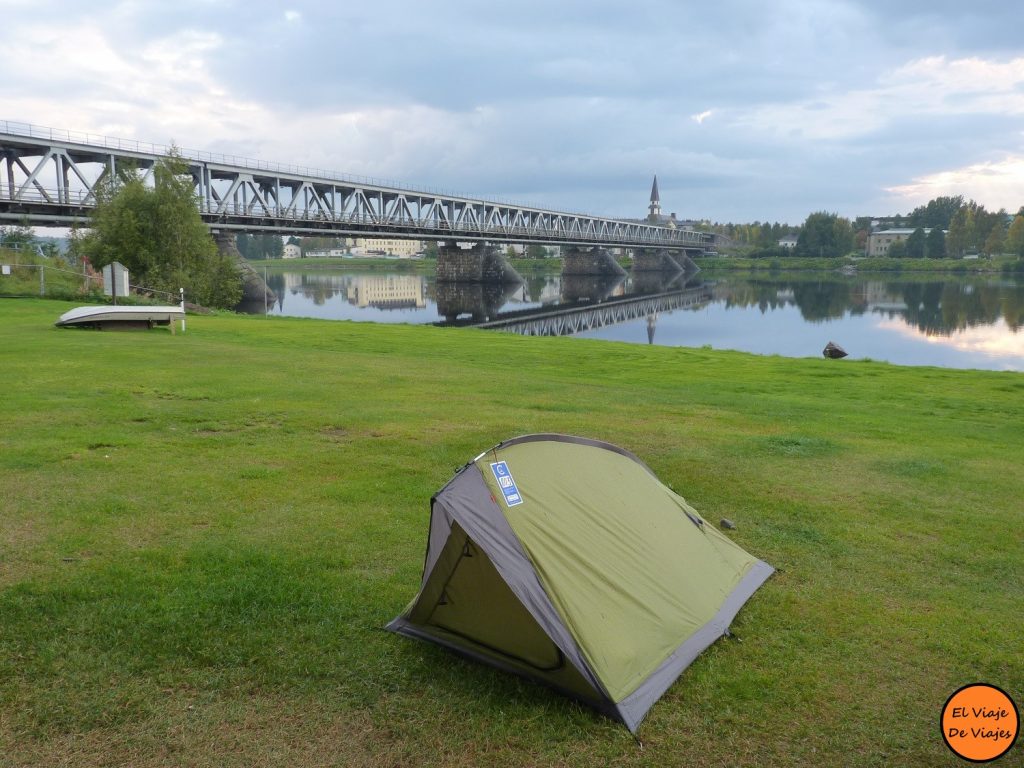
[947,321]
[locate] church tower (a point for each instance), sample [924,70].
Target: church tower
[655,208]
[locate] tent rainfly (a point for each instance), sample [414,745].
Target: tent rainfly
[567,561]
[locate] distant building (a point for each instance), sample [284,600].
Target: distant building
[654,215]
[292,251]
[789,241]
[879,243]
[403,249]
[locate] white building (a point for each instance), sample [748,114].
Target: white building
[789,241]
[292,251]
[403,249]
[879,242]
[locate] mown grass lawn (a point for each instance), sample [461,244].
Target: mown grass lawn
[201,536]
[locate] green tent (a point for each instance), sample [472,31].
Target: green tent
[567,561]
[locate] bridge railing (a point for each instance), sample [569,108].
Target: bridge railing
[85,200]
[100,141]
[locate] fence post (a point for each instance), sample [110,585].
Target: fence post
[42,280]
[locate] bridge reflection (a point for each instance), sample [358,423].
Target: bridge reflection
[545,305]
[586,303]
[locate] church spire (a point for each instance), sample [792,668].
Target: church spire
[655,208]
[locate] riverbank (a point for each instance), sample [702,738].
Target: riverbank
[418,266]
[204,534]
[996,264]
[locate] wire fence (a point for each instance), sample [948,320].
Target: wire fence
[22,279]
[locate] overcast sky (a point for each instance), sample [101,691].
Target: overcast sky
[745,110]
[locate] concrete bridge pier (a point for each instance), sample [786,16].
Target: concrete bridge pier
[656,270]
[683,260]
[591,261]
[656,260]
[255,292]
[482,263]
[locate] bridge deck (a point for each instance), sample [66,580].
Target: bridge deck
[50,177]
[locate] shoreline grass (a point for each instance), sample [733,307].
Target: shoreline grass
[203,534]
[874,264]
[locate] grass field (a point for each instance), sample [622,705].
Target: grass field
[201,536]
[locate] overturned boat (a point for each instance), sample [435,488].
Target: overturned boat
[120,317]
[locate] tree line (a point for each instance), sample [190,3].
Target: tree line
[943,227]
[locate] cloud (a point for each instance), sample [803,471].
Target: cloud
[923,88]
[996,341]
[998,184]
[575,113]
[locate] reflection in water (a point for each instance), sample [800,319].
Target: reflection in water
[478,300]
[592,287]
[658,282]
[934,308]
[388,291]
[996,340]
[954,321]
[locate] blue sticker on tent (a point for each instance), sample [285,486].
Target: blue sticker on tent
[506,483]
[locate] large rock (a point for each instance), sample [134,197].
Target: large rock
[833,351]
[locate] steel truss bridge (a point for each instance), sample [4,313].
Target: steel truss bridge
[565,321]
[50,177]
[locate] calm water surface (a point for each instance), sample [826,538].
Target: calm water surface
[953,322]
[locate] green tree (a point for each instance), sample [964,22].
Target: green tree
[17,237]
[1015,236]
[157,232]
[935,244]
[916,244]
[937,213]
[243,242]
[996,239]
[825,234]
[261,246]
[897,250]
[984,224]
[860,239]
[534,251]
[960,232]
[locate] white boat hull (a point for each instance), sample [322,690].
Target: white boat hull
[119,317]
